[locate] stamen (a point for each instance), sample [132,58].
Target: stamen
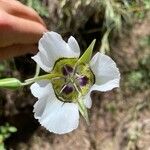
[83,80]
[62,89]
[68,89]
[67,70]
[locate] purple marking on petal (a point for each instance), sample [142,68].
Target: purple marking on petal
[67,70]
[68,89]
[83,80]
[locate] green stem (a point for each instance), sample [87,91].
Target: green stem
[37,70]
[43,77]
[105,43]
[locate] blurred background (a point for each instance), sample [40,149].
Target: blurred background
[119,119]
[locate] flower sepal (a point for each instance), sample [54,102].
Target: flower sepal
[87,55]
[42,77]
[83,109]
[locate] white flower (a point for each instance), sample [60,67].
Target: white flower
[60,99]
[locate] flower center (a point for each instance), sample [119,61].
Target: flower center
[74,79]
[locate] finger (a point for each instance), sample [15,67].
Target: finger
[19,31]
[16,8]
[17,50]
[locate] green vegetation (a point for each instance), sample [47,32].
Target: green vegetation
[118,13]
[145,41]
[5,132]
[38,6]
[111,107]
[140,79]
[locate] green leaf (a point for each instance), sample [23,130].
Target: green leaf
[86,57]
[105,47]
[2,147]
[12,129]
[3,129]
[7,135]
[1,138]
[10,83]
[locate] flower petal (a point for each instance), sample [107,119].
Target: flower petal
[52,47]
[60,118]
[42,61]
[57,117]
[73,44]
[39,107]
[106,73]
[41,88]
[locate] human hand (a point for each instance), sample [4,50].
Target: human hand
[20,29]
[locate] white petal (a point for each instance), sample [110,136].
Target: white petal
[74,45]
[87,100]
[52,47]
[41,88]
[57,117]
[42,61]
[60,118]
[106,73]
[107,86]
[39,107]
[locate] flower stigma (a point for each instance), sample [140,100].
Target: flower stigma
[75,79]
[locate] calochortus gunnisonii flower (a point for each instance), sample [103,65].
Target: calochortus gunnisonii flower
[65,91]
